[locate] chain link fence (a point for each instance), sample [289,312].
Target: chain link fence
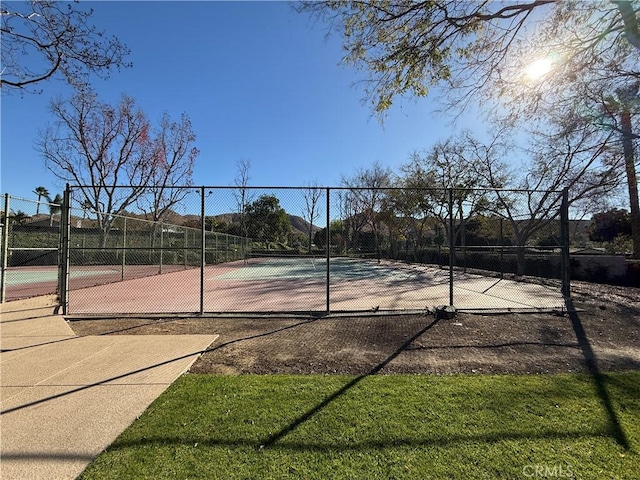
[286,249]
[114,249]
[30,248]
[498,232]
[317,249]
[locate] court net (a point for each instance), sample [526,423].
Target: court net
[280,258]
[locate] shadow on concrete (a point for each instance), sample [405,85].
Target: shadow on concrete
[140,370]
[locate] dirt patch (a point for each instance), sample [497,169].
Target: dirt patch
[603,333]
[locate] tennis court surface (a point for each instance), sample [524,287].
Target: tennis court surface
[305,284]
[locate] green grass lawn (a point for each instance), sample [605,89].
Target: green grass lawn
[384,427]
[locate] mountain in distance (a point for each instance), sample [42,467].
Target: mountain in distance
[297,222]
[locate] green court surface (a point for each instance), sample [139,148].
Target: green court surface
[25,277]
[341,268]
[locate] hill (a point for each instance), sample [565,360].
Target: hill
[297,223]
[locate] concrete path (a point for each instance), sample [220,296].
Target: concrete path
[65,398]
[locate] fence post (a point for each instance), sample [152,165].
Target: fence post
[565,260]
[184,254]
[161,247]
[63,269]
[501,248]
[5,249]
[452,244]
[202,249]
[124,249]
[328,248]
[463,241]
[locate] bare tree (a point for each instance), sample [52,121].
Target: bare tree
[343,204]
[312,195]
[451,169]
[242,194]
[531,201]
[528,200]
[366,194]
[98,147]
[589,87]
[172,162]
[408,208]
[353,213]
[42,39]
[444,187]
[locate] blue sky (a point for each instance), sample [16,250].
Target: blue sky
[259,82]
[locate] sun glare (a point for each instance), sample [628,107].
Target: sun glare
[539,68]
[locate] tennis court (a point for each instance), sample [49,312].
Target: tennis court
[27,282]
[198,260]
[22,276]
[304,284]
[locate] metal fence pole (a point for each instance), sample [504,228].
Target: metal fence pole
[63,271]
[202,249]
[463,238]
[124,248]
[452,257]
[61,247]
[161,247]
[328,252]
[501,248]
[5,249]
[565,260]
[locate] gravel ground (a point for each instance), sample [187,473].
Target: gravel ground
[602,334]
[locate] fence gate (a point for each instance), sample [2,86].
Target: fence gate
[29,248]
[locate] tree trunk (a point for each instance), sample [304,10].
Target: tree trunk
[104,235]
[520,259]
[632,179]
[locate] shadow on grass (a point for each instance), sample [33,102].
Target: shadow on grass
[278,441]
[268,442]
[294,446]
[275,440]
[616,429]
[591,362]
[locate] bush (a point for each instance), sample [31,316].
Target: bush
[633,274]
[23,258]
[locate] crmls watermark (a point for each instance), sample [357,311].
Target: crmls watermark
[548,471]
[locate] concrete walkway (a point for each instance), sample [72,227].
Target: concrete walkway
[65,398]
